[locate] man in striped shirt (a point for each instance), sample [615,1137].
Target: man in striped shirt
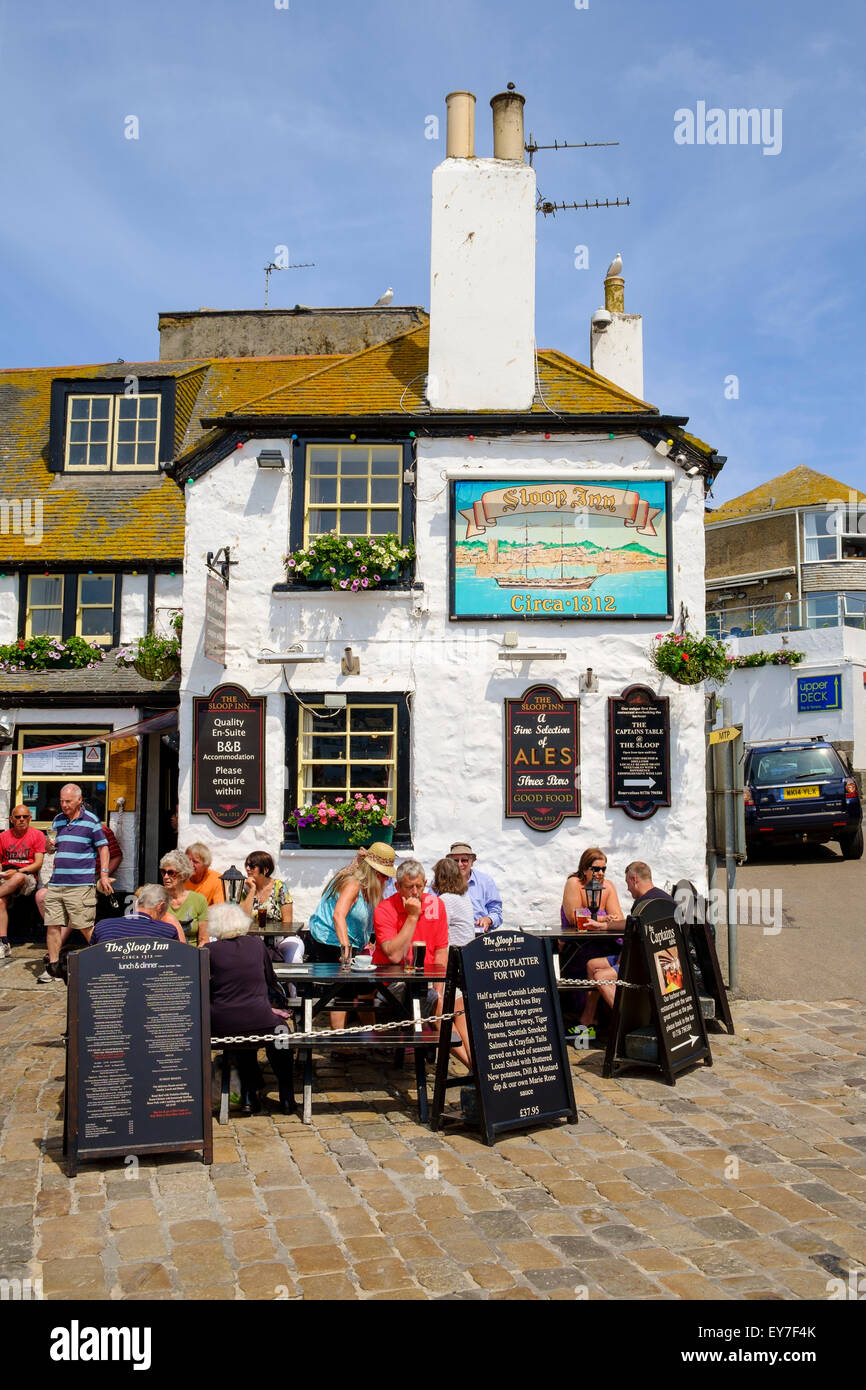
[70,898]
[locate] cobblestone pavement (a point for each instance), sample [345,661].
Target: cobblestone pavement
[746,1181]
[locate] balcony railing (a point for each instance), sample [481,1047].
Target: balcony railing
[758,619]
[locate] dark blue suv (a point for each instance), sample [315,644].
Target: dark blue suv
[800,789]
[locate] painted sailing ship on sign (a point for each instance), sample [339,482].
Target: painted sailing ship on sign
[560,549]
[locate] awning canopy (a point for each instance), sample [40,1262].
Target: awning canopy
[158,723]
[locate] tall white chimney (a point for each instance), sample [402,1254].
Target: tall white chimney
[482,271]
[616,338]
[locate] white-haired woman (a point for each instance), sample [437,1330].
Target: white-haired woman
[203,878]
[189,907]
[242,981]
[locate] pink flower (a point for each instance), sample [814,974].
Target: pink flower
[386,820]
[376,578]
[364,583]
[382,801]
[332,811]
[355,586]
[343,583]
[658,637]
[291,564]
[363,569]
[332,569]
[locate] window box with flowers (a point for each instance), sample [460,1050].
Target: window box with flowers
[358,820]
[46,653]
[351,564]
[689,658]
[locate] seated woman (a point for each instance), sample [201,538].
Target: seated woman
[203,878]
[241,983]
[600,969]
[189,907]
[269,894]
[343,920]
[452,889]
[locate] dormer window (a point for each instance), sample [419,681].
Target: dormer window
[116,433]
[102,426]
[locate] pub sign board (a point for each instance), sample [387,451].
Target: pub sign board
[519,1056]
[542,757]
[560,549]
[639,752]
[215,619]
[228,754]
[656,957]
[138,1051]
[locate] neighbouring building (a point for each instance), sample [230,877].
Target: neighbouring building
[786,569]
[558,522]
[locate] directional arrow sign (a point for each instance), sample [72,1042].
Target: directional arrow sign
[689,1042]
[638,781]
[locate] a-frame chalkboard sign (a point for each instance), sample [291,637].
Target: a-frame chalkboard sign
[138,1059]
[655,957]
[520,1060]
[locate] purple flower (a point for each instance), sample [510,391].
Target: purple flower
[376,578]
[354,585]
[364,583]
[363,569]
[343,583]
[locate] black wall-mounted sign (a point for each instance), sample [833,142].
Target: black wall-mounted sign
[655,956]
[519,1057]
[138,1051]
[542,757]
[228,755]
[639,752]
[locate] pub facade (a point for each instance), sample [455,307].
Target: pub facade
[494,682]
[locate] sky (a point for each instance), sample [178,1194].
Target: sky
[305,123]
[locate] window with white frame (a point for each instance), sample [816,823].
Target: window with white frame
[94,614]
[833,536]
[112,433]
[345,751]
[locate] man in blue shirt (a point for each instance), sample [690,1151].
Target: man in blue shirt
[146,923]
[70,898]
[483,893]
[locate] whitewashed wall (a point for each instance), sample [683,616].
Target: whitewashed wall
[456,681]
[764,698]
[8,606]
[133,607]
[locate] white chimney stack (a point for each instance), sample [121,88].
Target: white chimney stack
[482,272]
[616,338]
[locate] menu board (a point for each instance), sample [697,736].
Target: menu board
[138,1059]
[639,756]
[655,956]
[542,757]
[228,755]
[519,1059]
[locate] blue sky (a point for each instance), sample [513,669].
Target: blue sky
[305,126]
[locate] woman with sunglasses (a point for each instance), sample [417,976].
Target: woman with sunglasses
[189,907]
[601,969]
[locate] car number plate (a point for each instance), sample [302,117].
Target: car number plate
[799,793]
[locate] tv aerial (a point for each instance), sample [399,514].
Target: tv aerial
[301,265]
[549,208]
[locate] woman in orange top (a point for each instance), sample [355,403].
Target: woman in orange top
[203,878]
[601,969]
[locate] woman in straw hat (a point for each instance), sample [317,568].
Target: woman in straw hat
[343,920]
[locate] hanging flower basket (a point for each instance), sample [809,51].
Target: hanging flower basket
[690,659]
[49,654]
[154,658]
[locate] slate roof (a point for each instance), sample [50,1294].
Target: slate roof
[389,379]
[800,487]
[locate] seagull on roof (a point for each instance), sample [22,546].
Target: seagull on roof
[384,299]
[615,267]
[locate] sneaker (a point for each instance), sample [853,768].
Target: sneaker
[50,974]
[5,948]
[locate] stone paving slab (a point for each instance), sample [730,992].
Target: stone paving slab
[745,1181]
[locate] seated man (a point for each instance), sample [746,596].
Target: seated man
[146,923]
[411,915]
[21,853]
[639,882]
[483,893]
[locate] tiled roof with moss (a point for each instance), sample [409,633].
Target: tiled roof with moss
[115,516]
[801,487]
[389,379]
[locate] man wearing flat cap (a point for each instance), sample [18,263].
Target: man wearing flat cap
[483,893]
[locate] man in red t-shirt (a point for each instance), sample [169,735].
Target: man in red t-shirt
[21,852]
[410,915]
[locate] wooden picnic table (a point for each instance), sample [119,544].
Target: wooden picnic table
[327,985]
